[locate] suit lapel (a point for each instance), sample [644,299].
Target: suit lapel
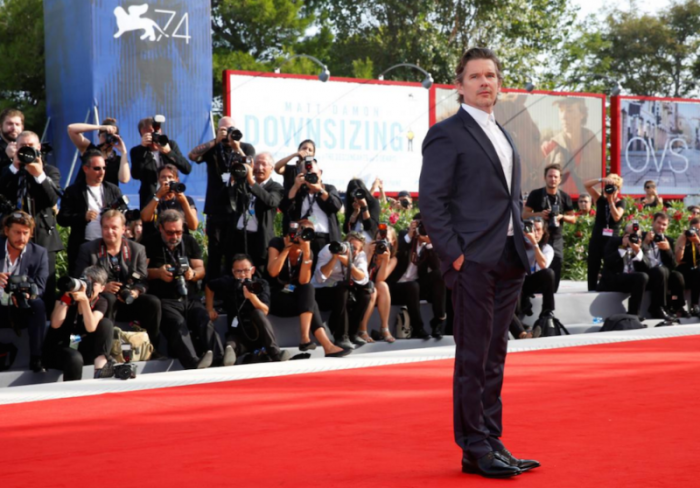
[483,139]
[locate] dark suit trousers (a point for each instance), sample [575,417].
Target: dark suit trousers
[484,300]
[218,229]
[33,319]
[178,319]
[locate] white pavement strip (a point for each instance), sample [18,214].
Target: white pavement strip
[74,389]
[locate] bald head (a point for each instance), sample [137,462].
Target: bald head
[226,122]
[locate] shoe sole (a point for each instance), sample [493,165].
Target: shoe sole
[468,470]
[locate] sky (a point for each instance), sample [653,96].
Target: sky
[595,6]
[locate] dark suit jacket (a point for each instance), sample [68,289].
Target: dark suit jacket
[464,197]
[43,197]
[614,264]
[668,258]
[89,254]
[267,199]
[74,206]
[331,207]
[144,168]
[34,264]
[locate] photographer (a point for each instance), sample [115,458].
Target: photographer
[256,200]
[289,267]
[124,261]
[663,278]
[342,286]
[311,199]
[82,204]
[417,276]
[81,313]
[290,173]
[625,267]
[247,303]
[23,264]
[175,266]
[688,258]
[361,210]
[170,196]
[117,167]
[11,125]
[219,155]
[651,199]
[155,150]
[609,211]
[555,207]
[34,188]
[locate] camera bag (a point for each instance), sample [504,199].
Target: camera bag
[8,353]
[403,324]
[622,321]
[141,346]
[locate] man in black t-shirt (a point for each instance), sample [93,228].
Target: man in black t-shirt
[175,266]
[555,207]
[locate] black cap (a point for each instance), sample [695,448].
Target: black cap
[403,193]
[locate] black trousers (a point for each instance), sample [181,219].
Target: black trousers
[253,332]
[633,283]
[484,300]
[245,242]
[596,250]
[541,281]
[555,266]
[347,308]
[663,282]
[430,286]
[692,281]
[145,309]
[292,304]
[50,289]
[218,230]
[180,317]
[33,319]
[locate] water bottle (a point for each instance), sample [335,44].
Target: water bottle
[597,320]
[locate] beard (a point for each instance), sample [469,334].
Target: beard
[8,136]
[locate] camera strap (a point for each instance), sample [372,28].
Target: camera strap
[310,200]
[91,194]
[125,254]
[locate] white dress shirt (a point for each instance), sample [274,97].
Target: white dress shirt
[337,275]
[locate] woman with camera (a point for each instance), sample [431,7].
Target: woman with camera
[609,211]
[289,267]
[79,316]
[118,170]
[361,210]
[651,199]
[306,148]
[170,195]
[688,258]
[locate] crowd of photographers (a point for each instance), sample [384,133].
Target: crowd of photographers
[145,267]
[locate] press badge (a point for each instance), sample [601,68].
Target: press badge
[608,232]
[234,324]
[288,288]
[226,177]
[313,220]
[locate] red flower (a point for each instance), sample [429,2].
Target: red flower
[592,213]
[393,218]
[579,234]
[678,216]
[630,217]
[640,207]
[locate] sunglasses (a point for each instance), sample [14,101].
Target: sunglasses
[98,168]
[173,233]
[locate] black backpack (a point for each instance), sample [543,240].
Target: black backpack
[8,353]
[622,321]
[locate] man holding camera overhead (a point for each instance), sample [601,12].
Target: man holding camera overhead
[156,149]
[30,185]
[220,155]
[84,202]
[170,196]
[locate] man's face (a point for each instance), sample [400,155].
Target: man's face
[570,117]
[18,236]
[166,176]
[95,171]
[584,204]
[553,178]
[660,225]
[243,270]
[112,230]
[171,232]
[262,168]
[480,84]
[11,128]
[695,212]
[148,128]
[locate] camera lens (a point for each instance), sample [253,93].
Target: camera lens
[336,247]
[307,234]
[234,134]
[27,154]
[311,178]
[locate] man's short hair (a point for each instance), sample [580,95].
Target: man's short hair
[265,154]
[242,257]
[28,133]
[694,221]
[660,215]
[556,166]
[584,196]
[170,167]
[169,215]
[476,53]
[92,153]
[18,217]
[96,274]
[113,214]
[143,123]
[11,112]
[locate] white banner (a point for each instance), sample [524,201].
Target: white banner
[360,129]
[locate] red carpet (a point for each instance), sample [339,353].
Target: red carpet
[616,415]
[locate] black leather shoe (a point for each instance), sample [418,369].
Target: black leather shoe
[489,466]
[339,354]
[307,346]
[436,327]
[522,464]
[419,334]
[35,364]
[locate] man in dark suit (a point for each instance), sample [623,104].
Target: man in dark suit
[471,206]
[83,202]
[21,258]
[34,188]
[149,156]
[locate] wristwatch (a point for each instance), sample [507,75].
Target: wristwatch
[155,197]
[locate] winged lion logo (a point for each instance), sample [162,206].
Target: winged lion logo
[132,21]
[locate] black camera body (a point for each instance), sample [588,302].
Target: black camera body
[310,177]
[404,203]
[381,246]
[125,371]
[528,226]
[296,233]
[238,166]
[691,232]
[635,226]
[254,287]
[110,139]
[130,284]
[234,134]
[337,247]
[634,238]
[178,270]
[610,189]
[27,155]
[359,194]
[121,204]
[421,229]
[17,286]
[158,137]
[659,238]
[177,187]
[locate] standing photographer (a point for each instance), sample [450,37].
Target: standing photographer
[282,167]
[361,210]
[83,203]
[219,155]
[11,125]
[23,264]
[688,258]
[155,150]
[81,312]
[117,167]
[170,196]
[609,211]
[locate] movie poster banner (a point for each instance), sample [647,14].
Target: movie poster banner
[657,139]
[547,127]
[362,128]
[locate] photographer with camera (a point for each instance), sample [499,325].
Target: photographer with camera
[175,266]
[84,202]
[124,261]
[170,196]
[11,126]
[32,186]
[24,269]
[79,316]
[307,148]
[255,201]
[361,210]
[247,303]
[688,259]
[117,167]
[555,207]
[625,267]
[156,150]
[289,268]
[342,286]
[609,211]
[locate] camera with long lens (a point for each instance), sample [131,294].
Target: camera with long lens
[692,232]
[130,284]
[178,270]
[17,287]
[254,287]
[610,189]
[121,204]
[359,194]
[177,187]
[659,238]
[337,247]
[125,371]
[553,221]
[158,137]
[310,177]
[234,134]
[297,232]
[67,285]
[27,155]
[529,226]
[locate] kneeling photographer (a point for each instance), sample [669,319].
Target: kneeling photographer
[125,263]
[24,269]
[170,196]
[79,317]
[688,258]
[247,303]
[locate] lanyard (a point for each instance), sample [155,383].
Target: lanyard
[97,202]
[311,200]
